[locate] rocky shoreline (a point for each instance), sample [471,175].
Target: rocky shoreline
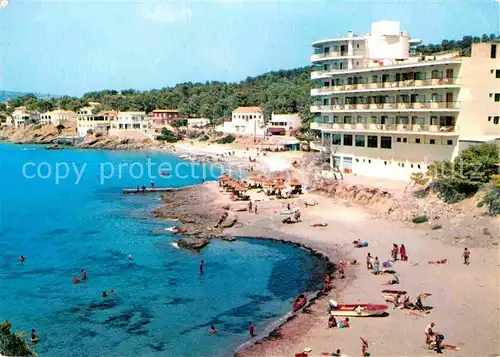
[201,215]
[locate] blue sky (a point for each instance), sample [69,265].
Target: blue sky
[71,47]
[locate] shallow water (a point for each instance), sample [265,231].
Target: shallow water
[162,306]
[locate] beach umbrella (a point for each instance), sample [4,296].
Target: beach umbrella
[255,178]
[387,264]
[268,182]
[423,295]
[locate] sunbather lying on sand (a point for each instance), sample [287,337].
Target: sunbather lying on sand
[319,225]
[442,261]
[359,244]
[351,262]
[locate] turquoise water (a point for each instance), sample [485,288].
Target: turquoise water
[162,305]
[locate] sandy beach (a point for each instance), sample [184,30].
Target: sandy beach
[465,299]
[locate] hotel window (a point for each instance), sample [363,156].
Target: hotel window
[497,97]
[497,73]
[348,120]
[493,53]
[347,140]
[372,141]
[405,140]
[417,140]
[398,140]
[361,120]
[386,142]
[375,79]
[432,141]
[435,74]
[436,97]
[495,120]
[336,139]
[326,84]
[336,119]
[421,76]
[450,142]
[360,140]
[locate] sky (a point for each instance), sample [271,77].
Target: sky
[72,47]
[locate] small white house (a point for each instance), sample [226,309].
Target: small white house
[281,124]
[197,122]
[58,116]
[246,121]
[20,116]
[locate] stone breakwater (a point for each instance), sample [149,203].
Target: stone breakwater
[203,217]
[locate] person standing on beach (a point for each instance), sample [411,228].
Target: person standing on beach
[376,266]
[251,329]
[250,206]
[466,256]
[369,261]
[402,253]
[201,266]
[428,331]
[255,209]
[394,251]
[152,184]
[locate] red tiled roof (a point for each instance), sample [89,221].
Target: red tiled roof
[248,110]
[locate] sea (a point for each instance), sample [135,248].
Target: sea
[64,211]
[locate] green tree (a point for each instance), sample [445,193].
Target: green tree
[13,344]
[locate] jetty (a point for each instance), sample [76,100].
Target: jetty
[128,191]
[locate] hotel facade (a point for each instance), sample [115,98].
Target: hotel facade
[385,113]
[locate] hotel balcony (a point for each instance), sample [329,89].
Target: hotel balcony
[332,55]
[384,86]
[382,107]
[388,128]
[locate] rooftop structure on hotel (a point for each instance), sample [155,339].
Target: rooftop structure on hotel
[385,113]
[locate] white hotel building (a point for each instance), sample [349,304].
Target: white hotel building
[387,114]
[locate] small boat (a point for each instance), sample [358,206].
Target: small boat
[357,310]
[390,295]
[393,292]
[299,302]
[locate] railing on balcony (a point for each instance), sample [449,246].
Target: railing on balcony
[387,127]
[334,54]
[389,85]
[386,106]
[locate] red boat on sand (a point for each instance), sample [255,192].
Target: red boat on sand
[357,310]
[299,302]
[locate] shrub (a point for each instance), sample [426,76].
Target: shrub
[436,227]
[13,344]
[204,137]
[90,132]
[420,219]
[454,181]
[492,200]
[98,135]
[168,136]
[226,140]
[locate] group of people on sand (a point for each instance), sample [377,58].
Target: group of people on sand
[332,322]
[401,250]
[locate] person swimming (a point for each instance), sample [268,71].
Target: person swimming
[213,331]
[84,274]
[112,292]
[34,337]
[22,258]
[130,257]
[76,280]
[104,294]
